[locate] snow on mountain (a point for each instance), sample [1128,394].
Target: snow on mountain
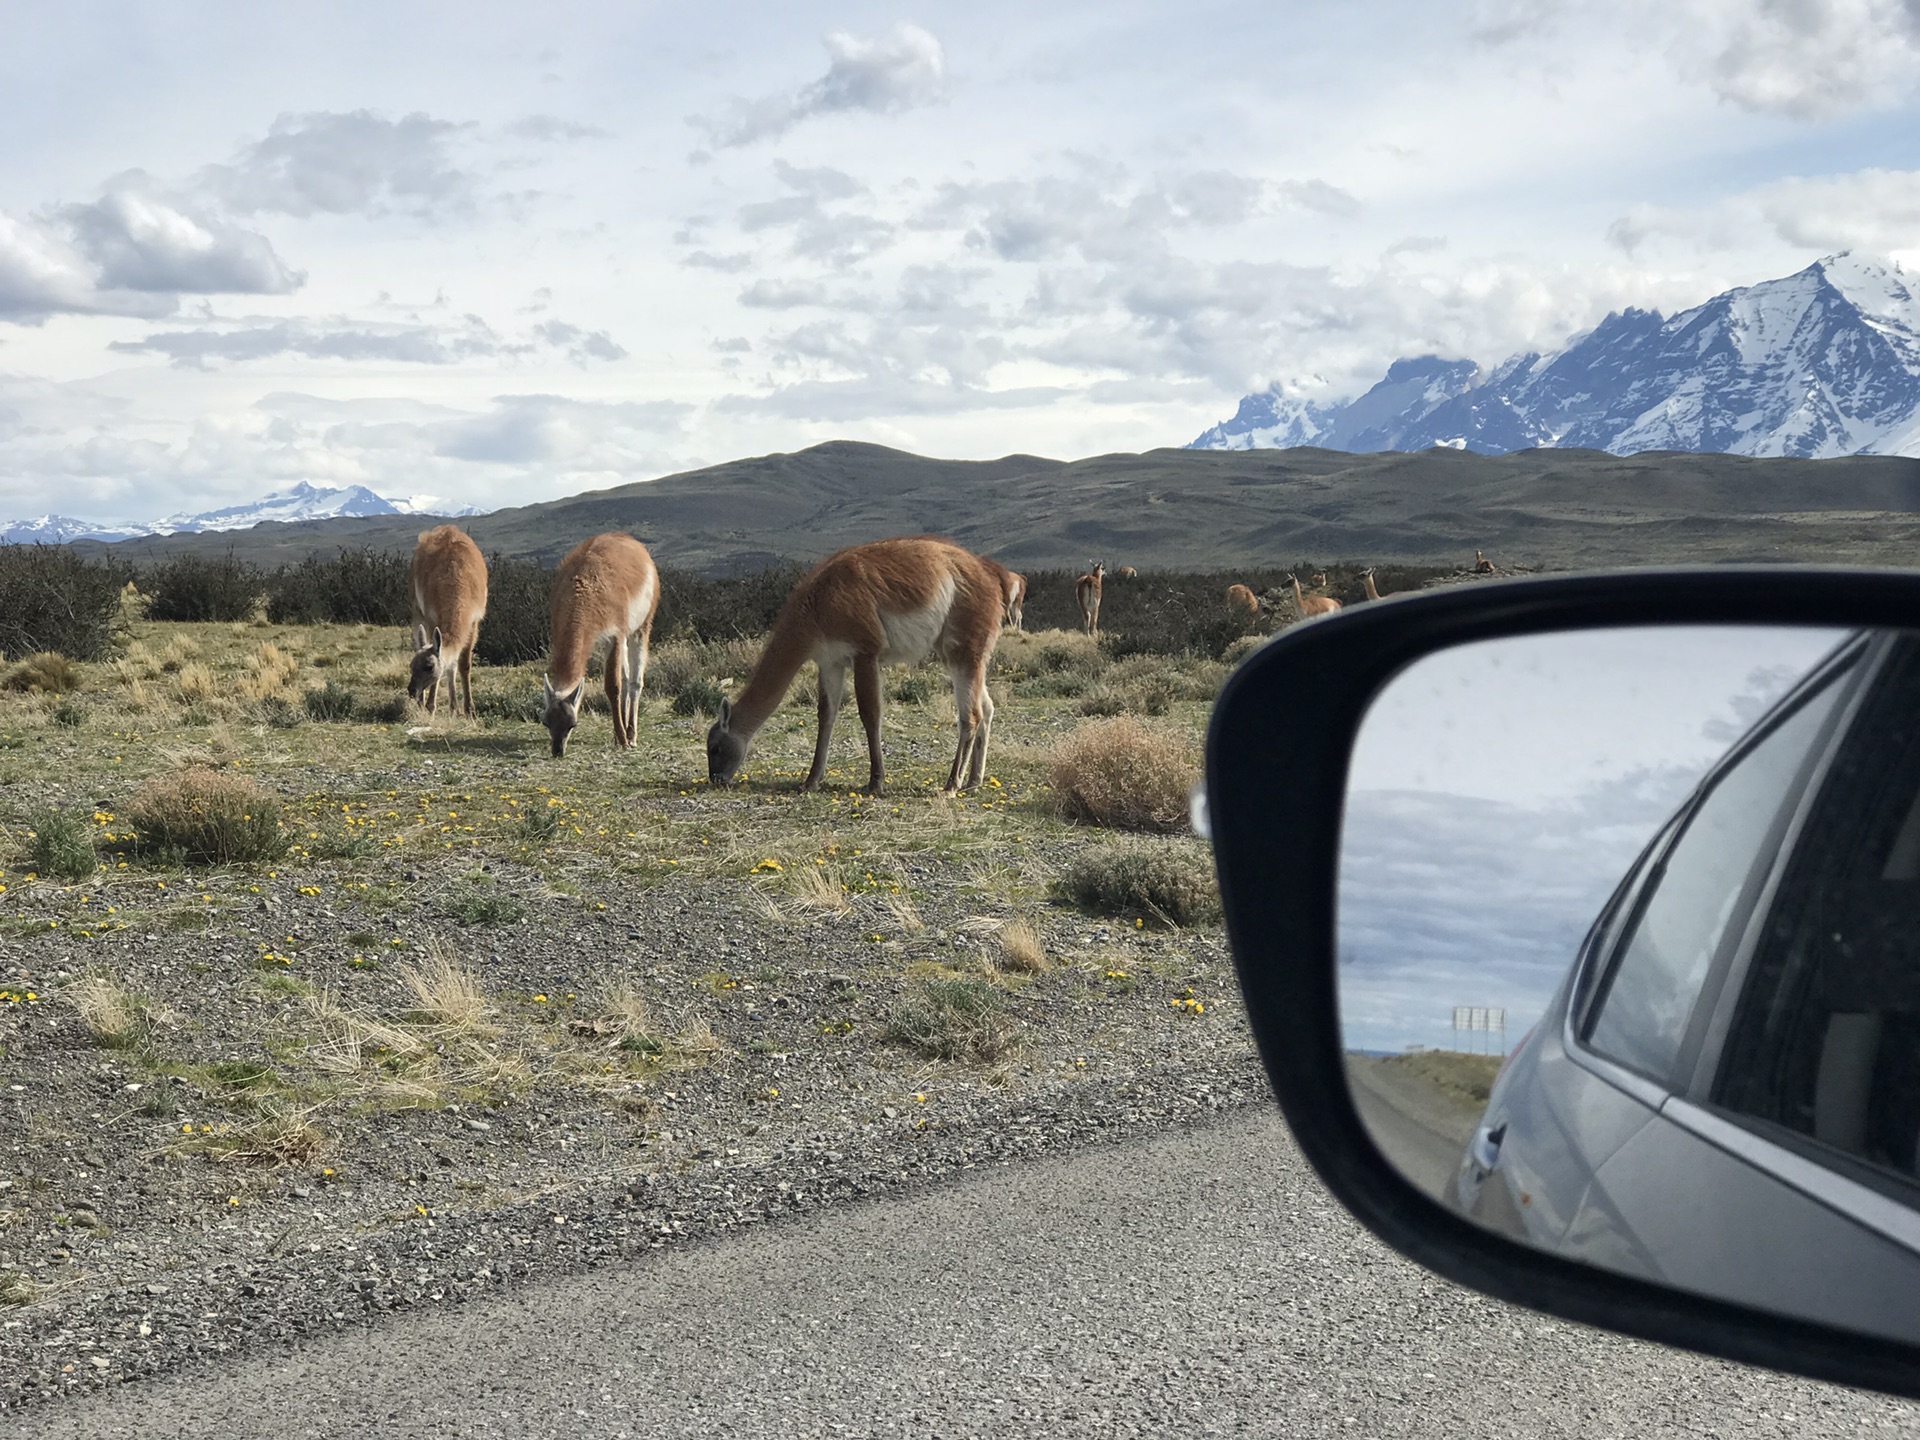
[1821,363]
[301,502]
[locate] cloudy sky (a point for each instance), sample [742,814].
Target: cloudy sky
[1499,791]
[501,253]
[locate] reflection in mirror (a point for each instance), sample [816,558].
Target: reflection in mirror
[1629,954]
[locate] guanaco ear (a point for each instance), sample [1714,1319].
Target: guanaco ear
[546,688]
[437,642]
[573,698]
[726,711]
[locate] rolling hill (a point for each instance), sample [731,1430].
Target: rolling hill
[1206,509]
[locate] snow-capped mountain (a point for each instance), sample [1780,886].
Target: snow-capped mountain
[302,502]
[1825,362]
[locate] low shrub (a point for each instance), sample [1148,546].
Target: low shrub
[70,714]
[332,702]
[209,817]
[956,1019]
[1121,774]
[1167,881]
[497,702]
[479,900]
[698,696]
[53,600]
[354,587]
[112,1016]
[46,673]
[202,588]
[519,612]
[390,711]
[913,688]
[61,844]
[538,827]
[279,713]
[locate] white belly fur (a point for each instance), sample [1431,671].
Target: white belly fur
[911,634]
[641,603]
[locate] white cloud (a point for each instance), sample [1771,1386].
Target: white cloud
[1810,59]
[1873,210]
[899,70]
[139,237]
[387,342]
[328,163]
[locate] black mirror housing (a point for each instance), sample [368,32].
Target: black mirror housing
[1277,765]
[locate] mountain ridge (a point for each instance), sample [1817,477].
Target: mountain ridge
[301,501]
[1815,365]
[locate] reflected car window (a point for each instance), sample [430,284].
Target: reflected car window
[1826,1038]
[1649,997]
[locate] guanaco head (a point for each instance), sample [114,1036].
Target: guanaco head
[726,751]
[427,668]
[561,713]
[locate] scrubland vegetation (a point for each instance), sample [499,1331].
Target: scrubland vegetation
[291,922]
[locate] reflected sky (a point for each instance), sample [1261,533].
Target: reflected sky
[1500,790]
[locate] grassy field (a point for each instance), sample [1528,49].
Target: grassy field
[459,972]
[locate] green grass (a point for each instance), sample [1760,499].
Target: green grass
[953,1019]
[61,844]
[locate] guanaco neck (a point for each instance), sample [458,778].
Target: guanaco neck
[1299,600]
[1372,594]
[787,650]
[567,665]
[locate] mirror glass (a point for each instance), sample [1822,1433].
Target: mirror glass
[1629,954]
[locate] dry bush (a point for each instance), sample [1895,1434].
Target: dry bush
[211,816]
[111,1015]
[1021,950]
[905,915]
[1121,774]
[47,673]
[1240,649]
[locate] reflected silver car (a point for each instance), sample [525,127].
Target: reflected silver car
[1735,1052]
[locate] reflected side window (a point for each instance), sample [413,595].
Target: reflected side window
[1825,1040]
[1704,881]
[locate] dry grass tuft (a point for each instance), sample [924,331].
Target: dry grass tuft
[1021,950]
[1121,774]
[818,887]
[46,673]
[446,995]
[211,816]
[1166,880]
[905,915]
[278,1136]
[194,683]
[111,1015]
[271,672]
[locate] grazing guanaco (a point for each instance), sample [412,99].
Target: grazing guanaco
[1127,572]
[893,602]
[447,595]
[1087,591]
[607,589]
[1481,565]
[1243,600]
[1015,595]
[1310,606]
[1319,579]
[1366,580]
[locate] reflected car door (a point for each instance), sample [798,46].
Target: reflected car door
[1692,1197]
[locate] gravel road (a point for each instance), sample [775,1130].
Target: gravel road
[1192,1282]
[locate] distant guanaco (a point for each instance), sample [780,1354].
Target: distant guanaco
[607,589]
[1311,606]
[893,602]
[1127,572]
[1015,594]
[1087,591]
[1366,580]
[1240,598]
[1481,565]
[447,594]
[1319,579]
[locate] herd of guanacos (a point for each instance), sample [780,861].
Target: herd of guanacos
[891,602]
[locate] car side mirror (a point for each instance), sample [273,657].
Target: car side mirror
[1578,921]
